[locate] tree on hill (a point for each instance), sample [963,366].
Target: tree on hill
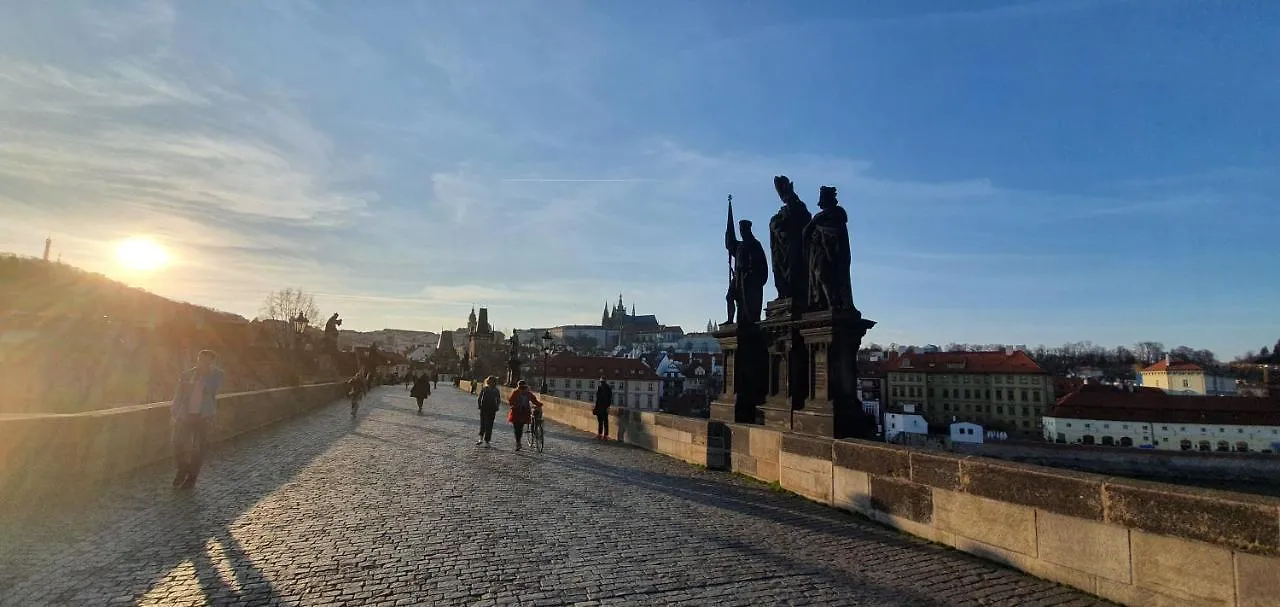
[281,307]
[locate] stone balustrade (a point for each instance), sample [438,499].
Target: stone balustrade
[1134,542]
[42,452]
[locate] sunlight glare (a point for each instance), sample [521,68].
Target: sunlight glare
[142,255]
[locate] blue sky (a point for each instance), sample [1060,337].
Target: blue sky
[1022,172]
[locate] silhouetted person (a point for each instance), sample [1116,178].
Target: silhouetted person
[489,401]
[604,400]
[421,390]
[192,411]
[522,402]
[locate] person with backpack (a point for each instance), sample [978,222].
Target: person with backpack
[522,402]
[421,390]
[604,399]
[489,401]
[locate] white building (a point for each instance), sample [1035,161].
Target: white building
[635,385]
[966,432]
[1151,418]
[903,423]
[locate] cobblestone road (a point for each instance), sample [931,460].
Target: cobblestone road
[399,509]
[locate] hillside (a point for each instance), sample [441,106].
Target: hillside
[72,341]
[29,286]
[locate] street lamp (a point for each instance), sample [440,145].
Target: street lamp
[299,328]
[546,351]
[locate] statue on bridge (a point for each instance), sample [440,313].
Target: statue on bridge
[787,243]
[331,332]
[750,270]
[827,238]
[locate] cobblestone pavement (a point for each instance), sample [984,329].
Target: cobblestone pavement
[394,508]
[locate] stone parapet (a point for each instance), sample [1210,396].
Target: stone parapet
[40,453]
[1134,542]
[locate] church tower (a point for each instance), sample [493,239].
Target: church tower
[471,321]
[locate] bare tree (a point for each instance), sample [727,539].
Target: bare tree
[281,307]
[1148,351]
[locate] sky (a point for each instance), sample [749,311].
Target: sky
[1018,172]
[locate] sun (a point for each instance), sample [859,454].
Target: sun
[141,255]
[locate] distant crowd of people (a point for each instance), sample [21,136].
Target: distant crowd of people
[195,403]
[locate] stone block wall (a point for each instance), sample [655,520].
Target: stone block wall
[42,452]
[1133,542]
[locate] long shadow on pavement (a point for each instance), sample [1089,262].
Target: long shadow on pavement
[99,539]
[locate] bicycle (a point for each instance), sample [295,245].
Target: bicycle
[537,434]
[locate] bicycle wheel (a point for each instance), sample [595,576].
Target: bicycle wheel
[541,437]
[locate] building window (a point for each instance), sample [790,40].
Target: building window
[1204,445]
[1087,439]
[999,410]
[930,392]
[1224,446]
[1184,383]
[946,406]
[1035,396]
[1185,445]
[1025,424]
[1107,441]
[967,394]
[946,393]
[579,385]
[1242,446]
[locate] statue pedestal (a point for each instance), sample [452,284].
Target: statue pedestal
[831,407]
[746,365]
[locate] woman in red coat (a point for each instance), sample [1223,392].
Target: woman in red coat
[522,402]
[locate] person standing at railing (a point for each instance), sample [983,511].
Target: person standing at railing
[604,400]
[192,411]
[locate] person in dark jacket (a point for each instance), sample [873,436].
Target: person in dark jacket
[523,405]
[421,390]
[489,401]
[604,400]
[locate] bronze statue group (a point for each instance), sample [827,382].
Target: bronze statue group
[810,257]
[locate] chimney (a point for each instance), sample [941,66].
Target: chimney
[1008,350]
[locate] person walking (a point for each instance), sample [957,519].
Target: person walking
[604,400]
[421,390]
[194,405]
[489,401]
[522,402]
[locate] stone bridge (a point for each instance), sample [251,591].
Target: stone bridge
[301,504]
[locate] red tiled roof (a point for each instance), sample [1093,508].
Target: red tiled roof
[964,362]
[1096,401]
[592,367]
[1177,365]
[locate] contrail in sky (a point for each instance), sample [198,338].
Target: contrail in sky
[538,180]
